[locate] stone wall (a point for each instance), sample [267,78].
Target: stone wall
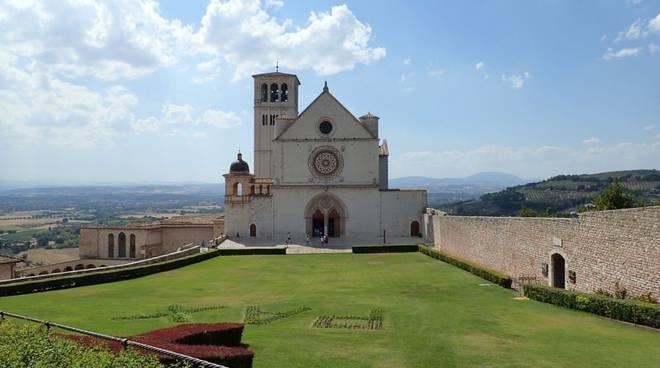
[602,248]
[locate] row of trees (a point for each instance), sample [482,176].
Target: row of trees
[613,197]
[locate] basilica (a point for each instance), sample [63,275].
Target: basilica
[318,172]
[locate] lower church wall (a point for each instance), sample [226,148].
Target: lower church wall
[399,208]
[602,248]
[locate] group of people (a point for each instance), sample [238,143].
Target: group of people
[322,238]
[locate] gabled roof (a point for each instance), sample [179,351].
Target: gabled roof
[325,91]
[276,74]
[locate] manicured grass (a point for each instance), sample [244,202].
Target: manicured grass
[435,315]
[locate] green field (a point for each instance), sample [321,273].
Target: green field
[435,315]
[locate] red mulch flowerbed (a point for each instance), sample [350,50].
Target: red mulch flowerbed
[215,342]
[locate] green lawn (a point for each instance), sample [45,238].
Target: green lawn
[435,315]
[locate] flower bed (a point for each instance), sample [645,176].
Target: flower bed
[214,342]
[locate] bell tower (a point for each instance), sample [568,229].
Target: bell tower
[275,95]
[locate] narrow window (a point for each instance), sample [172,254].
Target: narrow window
[122,245]
[274,93]
[264,92]
[285,93]
[131,252]
[111,245]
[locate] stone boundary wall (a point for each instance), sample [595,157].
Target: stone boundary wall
[602,248]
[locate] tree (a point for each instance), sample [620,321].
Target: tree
[614,197]
[528,212]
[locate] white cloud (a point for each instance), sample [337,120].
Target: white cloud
[649,127]
[221,119]
[653,48]
[529,161]
[407,61]
[654,24]
[100,39]
[591,141]
[480,65]
[246,36]
[178,114]
[516,81]
[622,53]
[633,32]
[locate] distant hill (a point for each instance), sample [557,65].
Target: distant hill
[559,194]
[445,190]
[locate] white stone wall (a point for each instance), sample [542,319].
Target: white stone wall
[258,211]
[399,208]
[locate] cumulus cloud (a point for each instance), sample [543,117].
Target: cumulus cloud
[622,53]
[654,24]
[185,119]
[633,32]
[100,39]
[407,61]
[529,161]
[246,36]
[221,119]
[516,81]
[480,65]
[121,39]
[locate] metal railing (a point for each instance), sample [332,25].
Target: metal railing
[126,343]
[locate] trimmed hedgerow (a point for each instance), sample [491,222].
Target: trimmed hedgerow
[485,273]
[405,248]
[101,277]
[627,310]
[251,251]
[214,342]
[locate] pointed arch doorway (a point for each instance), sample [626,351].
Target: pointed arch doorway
[326,214]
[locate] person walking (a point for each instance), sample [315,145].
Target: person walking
[307,239]
[288,238]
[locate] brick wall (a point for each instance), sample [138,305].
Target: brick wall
[602,248]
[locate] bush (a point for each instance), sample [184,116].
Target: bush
[251,251]
[101,277]
[632,311]
[490,275]
[385,249]
[30,345]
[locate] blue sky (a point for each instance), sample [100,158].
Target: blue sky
[128,91]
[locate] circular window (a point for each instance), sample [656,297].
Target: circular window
[325,127]
[325,163]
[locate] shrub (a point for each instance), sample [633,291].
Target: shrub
[30,345]
[101,277]
[214,342]
[485,273]
[632,311]
[251,251]
[385,249]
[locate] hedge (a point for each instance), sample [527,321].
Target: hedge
[490,275]
[101,277]
[251,251]
[385,249]
[214,342]
[627,310]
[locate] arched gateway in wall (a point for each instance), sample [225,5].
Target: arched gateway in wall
[326,214]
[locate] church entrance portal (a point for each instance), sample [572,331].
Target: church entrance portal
[317,223]
[333,224]
[325,215]
[558,271]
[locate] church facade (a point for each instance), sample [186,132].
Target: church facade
[321,171]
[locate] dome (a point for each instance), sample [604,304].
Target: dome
[239,166]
